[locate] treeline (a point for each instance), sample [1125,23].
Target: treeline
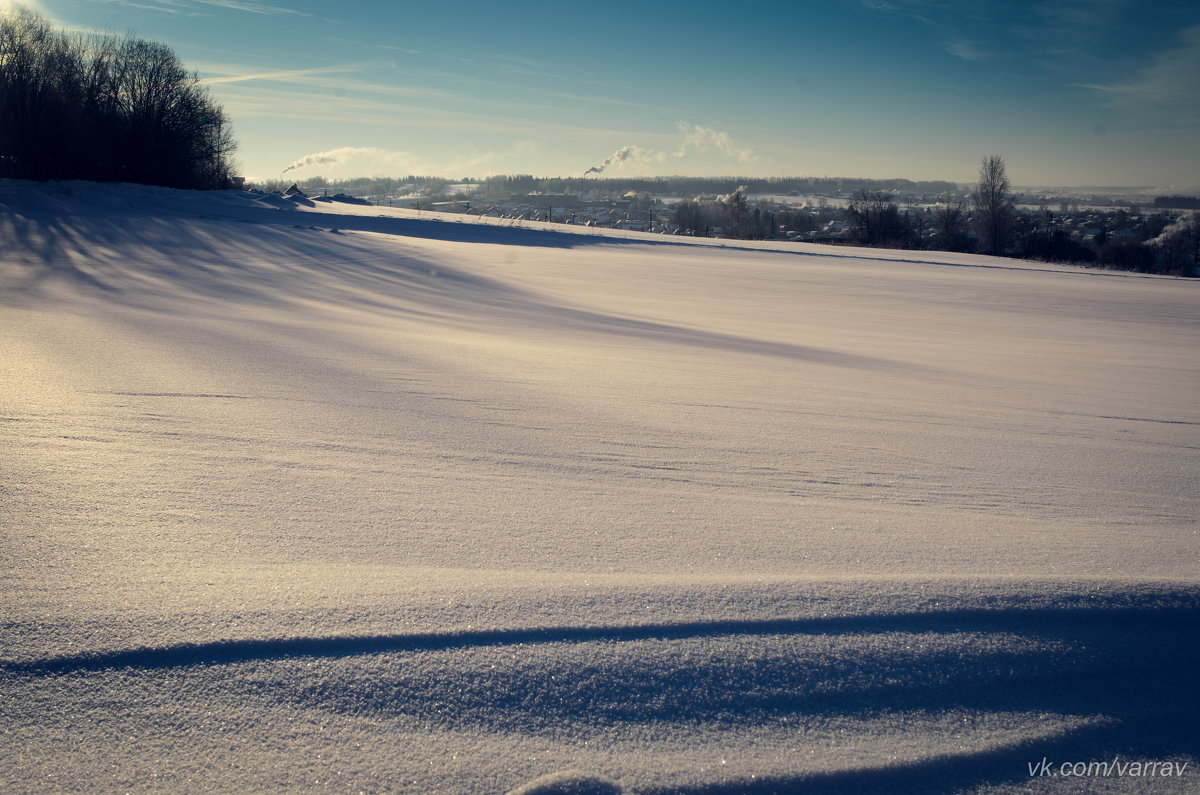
[1178,202]
[871,218]
[105,108]
[991,224]
[988,223]
[698,186]
[525,184]
[359,186]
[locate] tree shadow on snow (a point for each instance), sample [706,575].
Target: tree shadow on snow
[157,264]
[449,227]
[1129,670]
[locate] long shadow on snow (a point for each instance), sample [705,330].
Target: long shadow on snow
[218,260]
[1119,741]
[1130,670]
[1067,622]
[447,227]
[1123,665]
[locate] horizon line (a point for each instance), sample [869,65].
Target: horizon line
[718,177]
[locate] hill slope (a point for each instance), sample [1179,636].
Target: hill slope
[316,495]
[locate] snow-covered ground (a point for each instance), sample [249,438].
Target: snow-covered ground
[305,496]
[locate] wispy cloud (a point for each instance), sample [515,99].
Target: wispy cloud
[287,75]
[1168,86]
[965,50]
[251,7]
[344,161]
[916,10]
[394,48]
[198,6]
[288,107]
[339,79]
[377,94]
[1081,16]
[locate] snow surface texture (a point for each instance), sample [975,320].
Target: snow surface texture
[309,495]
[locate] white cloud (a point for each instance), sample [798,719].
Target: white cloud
[965,50]
[702,139]
[1169,85]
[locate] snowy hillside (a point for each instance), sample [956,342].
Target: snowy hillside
[299,496]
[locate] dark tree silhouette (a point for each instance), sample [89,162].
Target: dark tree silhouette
[992,206]
[950,223]
[688,218]
[874,220]
[103,108]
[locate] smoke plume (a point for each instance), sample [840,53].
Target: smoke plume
[694,140]
[620,157]
[339,156]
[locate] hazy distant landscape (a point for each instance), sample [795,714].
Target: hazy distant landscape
[1126,229]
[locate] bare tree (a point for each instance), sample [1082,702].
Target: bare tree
[96,107]
[950,223]
[688,217]
[992,206]
[31,98]
[874,220]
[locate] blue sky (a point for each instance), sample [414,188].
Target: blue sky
[1102,92]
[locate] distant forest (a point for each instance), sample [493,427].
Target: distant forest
[695,186]
[507,185]
[889,213]
[105,108]
[1178,202]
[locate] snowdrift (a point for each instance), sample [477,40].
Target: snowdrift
[315,495]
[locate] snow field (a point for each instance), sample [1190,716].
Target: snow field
[435,506]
